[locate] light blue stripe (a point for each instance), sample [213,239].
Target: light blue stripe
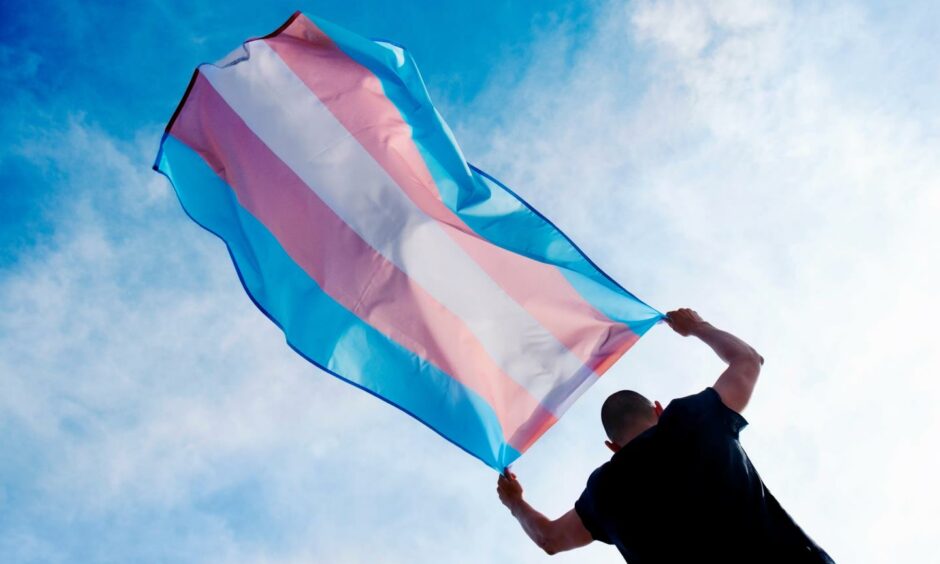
[487,206]
[322,330]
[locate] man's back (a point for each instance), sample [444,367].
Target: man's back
[685,490]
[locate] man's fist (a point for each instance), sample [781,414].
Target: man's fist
[684,321]
[509,489]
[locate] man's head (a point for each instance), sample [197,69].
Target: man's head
[626,414]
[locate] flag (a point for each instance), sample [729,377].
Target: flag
[357,226]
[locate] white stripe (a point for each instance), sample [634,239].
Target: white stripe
[279,108]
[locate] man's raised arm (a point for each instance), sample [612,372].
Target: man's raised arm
[565,533]
[736,383]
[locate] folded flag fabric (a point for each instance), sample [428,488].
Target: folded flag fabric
[357,226]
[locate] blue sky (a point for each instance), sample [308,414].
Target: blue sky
[126,68]
[775,165]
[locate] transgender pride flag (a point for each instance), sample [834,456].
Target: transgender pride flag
[357,226]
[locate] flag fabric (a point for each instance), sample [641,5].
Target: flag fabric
[357,226]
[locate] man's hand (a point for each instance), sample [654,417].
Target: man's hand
[509,489]
[684,321]
[564,533]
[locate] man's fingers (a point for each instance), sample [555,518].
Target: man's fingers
[676,316]
[679,313]
[683,320]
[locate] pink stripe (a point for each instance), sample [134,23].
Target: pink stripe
[354,95]
[344,265]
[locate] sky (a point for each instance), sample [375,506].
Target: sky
[774,165]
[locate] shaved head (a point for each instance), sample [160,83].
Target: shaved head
[625,414]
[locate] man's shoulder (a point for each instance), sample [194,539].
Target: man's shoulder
[698,411]
[607,478]
[599,475]
[705,398]
[630,466]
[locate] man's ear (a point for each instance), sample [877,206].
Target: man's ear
[612,446]
[658,408]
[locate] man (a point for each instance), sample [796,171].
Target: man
[679,487]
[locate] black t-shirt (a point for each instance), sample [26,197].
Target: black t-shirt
[685,491]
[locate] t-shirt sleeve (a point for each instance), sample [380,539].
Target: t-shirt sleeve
[588,511]
[702,412]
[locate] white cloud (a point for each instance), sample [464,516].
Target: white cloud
[682,27]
